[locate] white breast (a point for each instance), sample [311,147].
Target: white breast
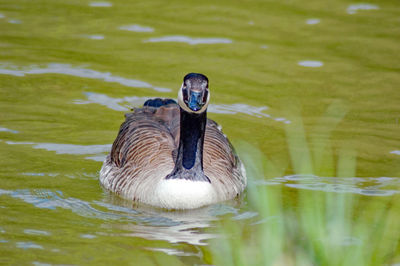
[183,194]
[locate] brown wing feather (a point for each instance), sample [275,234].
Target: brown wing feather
[146,133]
[142,151]
[220,162]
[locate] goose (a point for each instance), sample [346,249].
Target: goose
[169,155]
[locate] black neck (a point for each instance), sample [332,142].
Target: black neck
[189,159]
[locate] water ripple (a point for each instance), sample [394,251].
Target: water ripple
[3,129]
[352,9]
[66,69]
[94,36]
[189,40]
[136,28]
[28,245]
[36,232]
[183,233]
[310,63]
[88,236]
[37,263]
[176,252]
[313,21]
[117,104]
[97,152]
[368,186]
[45,199]
[14,21]
[100,4]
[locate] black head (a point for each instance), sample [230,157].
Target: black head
[194,95]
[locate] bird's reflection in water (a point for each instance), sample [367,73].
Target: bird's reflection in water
[174,226]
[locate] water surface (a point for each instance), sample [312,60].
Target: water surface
[69,70]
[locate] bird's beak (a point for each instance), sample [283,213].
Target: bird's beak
[195,101]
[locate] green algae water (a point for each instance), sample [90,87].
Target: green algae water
[282,74]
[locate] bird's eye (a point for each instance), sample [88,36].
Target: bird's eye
[205,95]
[185,94]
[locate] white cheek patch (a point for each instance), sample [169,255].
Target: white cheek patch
[186,108]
